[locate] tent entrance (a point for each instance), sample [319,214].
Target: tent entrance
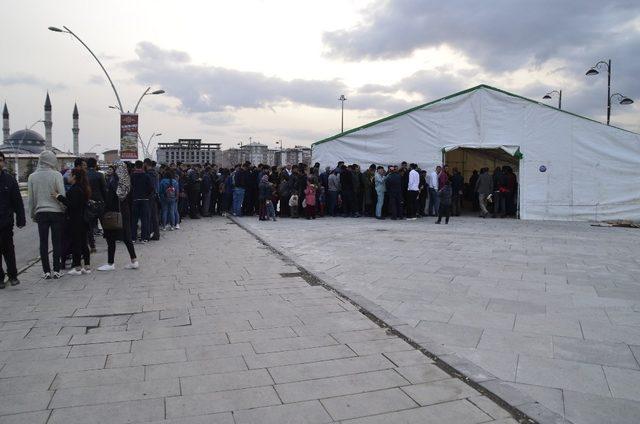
[470,159]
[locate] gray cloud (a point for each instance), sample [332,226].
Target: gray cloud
[27,79]
[498,35]
[502,36]
[207,89]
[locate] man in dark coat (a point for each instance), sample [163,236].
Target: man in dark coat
[141,190]
[10,204]
[346,184]
[394,191]
[98,186]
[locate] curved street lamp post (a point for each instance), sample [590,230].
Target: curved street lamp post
[551,93]
[119,106]
[624,100]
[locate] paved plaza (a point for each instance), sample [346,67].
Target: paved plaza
[550,310]
[213,328]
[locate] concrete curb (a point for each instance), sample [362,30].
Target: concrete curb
[524,408]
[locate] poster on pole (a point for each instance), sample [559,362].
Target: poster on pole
[128,136]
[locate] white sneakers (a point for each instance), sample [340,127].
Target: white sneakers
[132,265]
[74,271]
[107,267]
[177,226]
[86,270]
[112,267]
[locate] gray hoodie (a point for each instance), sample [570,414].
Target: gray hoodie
[45,181]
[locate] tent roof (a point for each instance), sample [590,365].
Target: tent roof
[459,93]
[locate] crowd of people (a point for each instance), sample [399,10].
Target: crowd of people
[397,192]
[133,202]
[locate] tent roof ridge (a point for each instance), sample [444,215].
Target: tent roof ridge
[451,96]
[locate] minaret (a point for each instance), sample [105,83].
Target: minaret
[76,130]
[5,123]
[47,123]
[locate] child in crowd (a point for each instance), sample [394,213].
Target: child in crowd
[271,212]
[293,205]
[310,199]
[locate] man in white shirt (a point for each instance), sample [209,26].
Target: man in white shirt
[412,191]
[433,192]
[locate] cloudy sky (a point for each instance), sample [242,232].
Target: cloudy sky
[274,69]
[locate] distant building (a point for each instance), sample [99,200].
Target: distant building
[111,156]
[188,151]
[231,157]
[255,153]
[22,148]
[88,155]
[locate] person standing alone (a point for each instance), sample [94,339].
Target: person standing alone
[10,204]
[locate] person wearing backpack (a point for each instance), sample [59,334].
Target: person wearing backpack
[169,190]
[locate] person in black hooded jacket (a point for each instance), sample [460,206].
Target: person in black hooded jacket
[10,204]
[75,201]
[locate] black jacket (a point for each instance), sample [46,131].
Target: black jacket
[346,180]
[394,183]
[98,185]
[141,185]
[10,201]
[75,203]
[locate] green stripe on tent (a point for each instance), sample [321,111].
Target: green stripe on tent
[451,96]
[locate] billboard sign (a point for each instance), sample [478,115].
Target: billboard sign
[128,136]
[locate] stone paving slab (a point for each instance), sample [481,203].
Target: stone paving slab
[554,305]
[203,333]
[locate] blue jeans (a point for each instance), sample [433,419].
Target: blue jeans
[169,212]
[238,197]
[379,203]
[140,212]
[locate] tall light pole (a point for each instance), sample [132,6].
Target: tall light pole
[594,71]
[145,147]
[68,31]
[342,99]
[551,93]
[119,107]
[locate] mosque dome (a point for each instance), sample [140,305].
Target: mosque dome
[25,141]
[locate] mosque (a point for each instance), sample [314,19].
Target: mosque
[22,148]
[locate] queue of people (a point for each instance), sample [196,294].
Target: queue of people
[135,201]
[397,192]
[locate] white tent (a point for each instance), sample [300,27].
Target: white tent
[569,167]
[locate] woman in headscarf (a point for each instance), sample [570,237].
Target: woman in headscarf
[119,200]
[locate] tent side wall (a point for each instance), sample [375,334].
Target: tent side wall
[591,170]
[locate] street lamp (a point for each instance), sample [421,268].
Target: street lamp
[280,143]
[551,93]
[342,99]
[115,108]
[68,31]
[146,92]
[145,147]
[623,99]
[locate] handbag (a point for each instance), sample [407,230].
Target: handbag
[112,220]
